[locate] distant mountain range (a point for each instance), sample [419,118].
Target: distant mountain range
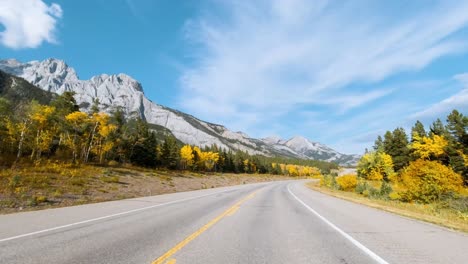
[121,90]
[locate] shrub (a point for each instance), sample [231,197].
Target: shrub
[347,182]
[328,181]
[385,189]
[361,186]
[427,181]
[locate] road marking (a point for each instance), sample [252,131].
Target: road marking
[107,216]
[233,211]
[200,231]
[171,261]
[369,252]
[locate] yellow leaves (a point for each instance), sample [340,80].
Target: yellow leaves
[426,181]
[425,147]
[375,175]
[40,114]
[375,166]
[297,170]
[347,182]
[292,170]
[209,159]
[76,117]
[186,155]
[205,160]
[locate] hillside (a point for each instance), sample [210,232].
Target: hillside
[122,91]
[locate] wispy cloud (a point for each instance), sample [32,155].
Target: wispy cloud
[458,100]
[28,23]
[271,59]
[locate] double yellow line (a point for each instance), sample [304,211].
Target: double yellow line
[200,231]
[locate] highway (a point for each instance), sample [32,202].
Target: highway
[275,222]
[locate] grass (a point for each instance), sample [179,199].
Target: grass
[435,213]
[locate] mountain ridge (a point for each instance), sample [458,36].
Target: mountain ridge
[121,90]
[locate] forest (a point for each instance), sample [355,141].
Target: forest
[32,133]
[430,165]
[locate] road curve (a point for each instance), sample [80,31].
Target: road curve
[276,222]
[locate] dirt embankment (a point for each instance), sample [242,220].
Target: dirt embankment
[58,186]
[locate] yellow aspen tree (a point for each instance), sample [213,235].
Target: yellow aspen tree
[425,147]
[41,116]
[78,122]
[186,156]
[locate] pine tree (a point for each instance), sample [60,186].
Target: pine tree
[457,149]
[438,128]
[170,153]
[378,144]
[418,128]
[144,145]
[396,145]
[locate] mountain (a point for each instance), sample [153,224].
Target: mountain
[17,90]
[305,148]
[120,90]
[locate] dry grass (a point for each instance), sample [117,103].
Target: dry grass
[56,184]
[432,213]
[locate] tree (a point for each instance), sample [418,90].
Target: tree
[41,122]
[170,153]
[144,145]
[95,106]
[76,141]
[437,128]
[65,103]
[396,145]
[186,156]
[376,166]
[457,149]
[378,144]
[418,129]
[428,148]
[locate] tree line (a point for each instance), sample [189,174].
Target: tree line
[424,166]
[32,132]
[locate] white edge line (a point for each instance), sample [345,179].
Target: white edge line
[107,216]
[350,238]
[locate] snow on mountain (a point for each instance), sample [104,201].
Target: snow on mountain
[121,90]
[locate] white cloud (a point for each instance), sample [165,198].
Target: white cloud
[458,101]
[262,57]
[28,23]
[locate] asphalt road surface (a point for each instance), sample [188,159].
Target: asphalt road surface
[277,222]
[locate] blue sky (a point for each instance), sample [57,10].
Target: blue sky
[337,72]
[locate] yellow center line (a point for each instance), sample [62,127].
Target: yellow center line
[171,261]
[187,240]
[233,211]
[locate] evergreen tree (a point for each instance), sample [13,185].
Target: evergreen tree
[418,128]
[438,128]
[65,103]
[396,145]
[457,127]
[170,153]
[378,144]
[95,106]
[144,145]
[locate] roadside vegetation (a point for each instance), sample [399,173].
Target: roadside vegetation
[425,177]
[54,154]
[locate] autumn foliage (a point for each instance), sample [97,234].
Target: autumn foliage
[347,182]
[427,181]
